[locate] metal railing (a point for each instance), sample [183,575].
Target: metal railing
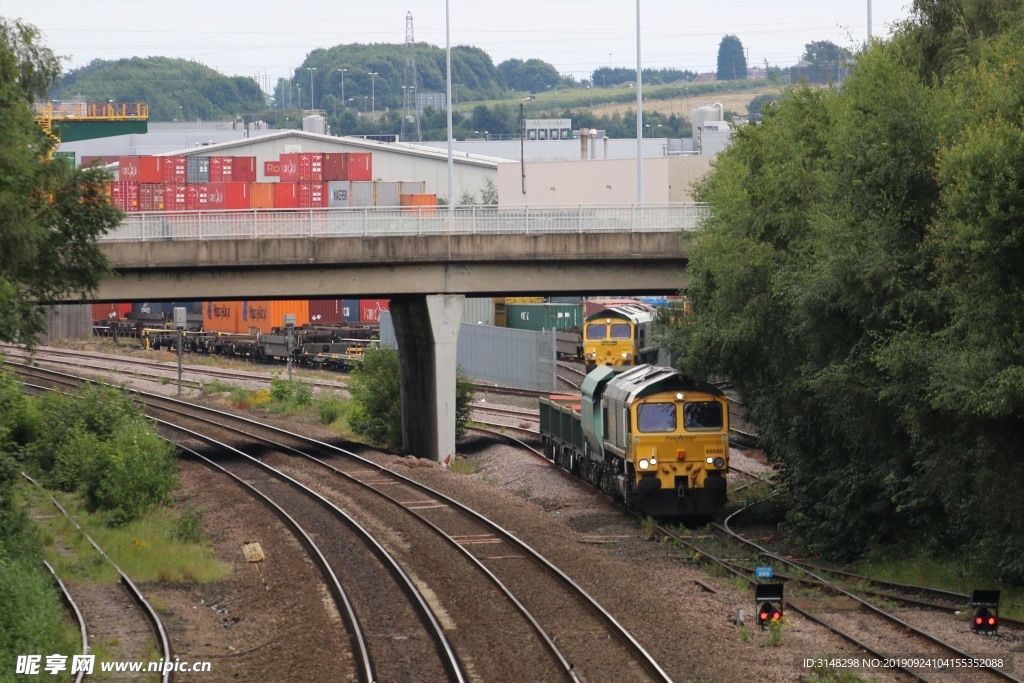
[405,221]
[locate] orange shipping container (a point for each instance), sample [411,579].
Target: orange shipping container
[266,315]
[221,316]
[261,195]
[422,204]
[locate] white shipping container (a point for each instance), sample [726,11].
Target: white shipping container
[478,311]
[412,187]
[387,193]
[339,193]
[361,192]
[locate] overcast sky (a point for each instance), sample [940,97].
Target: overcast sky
[272,37]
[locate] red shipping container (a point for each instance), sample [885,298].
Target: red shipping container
[125,196]
[151,197]
[204,197]
[272,168]
[236,195]
[261,195]
[243,170]
[311,166]
[312,195]
[140,169]
[326,311]
[288,168]
[105,312]
[369,309]
[221,169]
[286,195]
[359,166]
[216,197]
[174,170]
[175,197]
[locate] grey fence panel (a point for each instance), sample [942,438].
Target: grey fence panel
[516,358]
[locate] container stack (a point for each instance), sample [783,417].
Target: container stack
[176,183]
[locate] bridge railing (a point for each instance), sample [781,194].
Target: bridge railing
[381,221]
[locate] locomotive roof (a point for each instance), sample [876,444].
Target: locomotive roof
[644,380]
[633,312]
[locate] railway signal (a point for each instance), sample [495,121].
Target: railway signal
[986,611]
[768,597]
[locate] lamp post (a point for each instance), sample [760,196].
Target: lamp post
[373,91]
[312,100]
[343,85]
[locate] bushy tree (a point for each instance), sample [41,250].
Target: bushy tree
[732,60]
[377,399]
[52,214]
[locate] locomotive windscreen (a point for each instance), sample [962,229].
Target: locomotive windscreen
[703,415]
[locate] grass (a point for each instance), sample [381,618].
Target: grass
[149,549]
[946,574]
[461,465]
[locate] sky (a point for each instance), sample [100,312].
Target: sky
[268,39]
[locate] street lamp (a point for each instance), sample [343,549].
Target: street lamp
[343,85]
[373,92]
[312,100]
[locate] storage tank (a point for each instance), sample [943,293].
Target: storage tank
[314,123]
[701,115]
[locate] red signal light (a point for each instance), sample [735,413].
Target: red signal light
[991,621]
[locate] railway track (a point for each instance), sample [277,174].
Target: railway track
[551,606]
[118,616]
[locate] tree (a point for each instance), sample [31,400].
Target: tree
[826,53]
[53,213]
[732,61]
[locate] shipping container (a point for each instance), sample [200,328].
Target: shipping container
[311,195]
[100,160]
[369,309]
[361,193]
[261,195]
[302,166]
[386,193]
[125,196]
[423,204]
[478,311]
[350,310]
[140,169]
[538,317]
[164,310]
[197,197]
[222,316]
[151,197]
[197,170]
[325,311]
[339,193]
[236,195]
[221,169]
[592,306]
[286,195]
[175,197]
[266,315]
[244,170]
[175,170]
[108,312]
[348,166]
[272,168]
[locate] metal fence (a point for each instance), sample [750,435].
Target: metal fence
[516,358]
[415,220]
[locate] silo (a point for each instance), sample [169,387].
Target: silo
[702,115]
[314,123]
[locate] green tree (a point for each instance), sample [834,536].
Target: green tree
[377,399]
[51,212]
[732,60]
[826,53]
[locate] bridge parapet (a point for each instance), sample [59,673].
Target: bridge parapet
[395,222]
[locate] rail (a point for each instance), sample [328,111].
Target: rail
[405,221]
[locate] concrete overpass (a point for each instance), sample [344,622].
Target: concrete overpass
[425,260]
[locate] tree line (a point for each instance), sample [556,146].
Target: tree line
[859,279]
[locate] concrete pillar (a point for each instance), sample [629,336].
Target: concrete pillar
[427,332]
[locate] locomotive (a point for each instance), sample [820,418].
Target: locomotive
[619,337]
[652,439]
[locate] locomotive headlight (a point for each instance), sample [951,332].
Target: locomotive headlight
[644,464]
[709,460]
[719,462]
[654,461]
[625,354]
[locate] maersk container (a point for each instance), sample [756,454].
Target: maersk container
[339,193]
[350,310]
[542,316]
[197,170]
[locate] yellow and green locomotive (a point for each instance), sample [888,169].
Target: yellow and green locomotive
[649,437]
[619,337]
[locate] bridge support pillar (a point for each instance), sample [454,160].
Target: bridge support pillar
[427,332]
